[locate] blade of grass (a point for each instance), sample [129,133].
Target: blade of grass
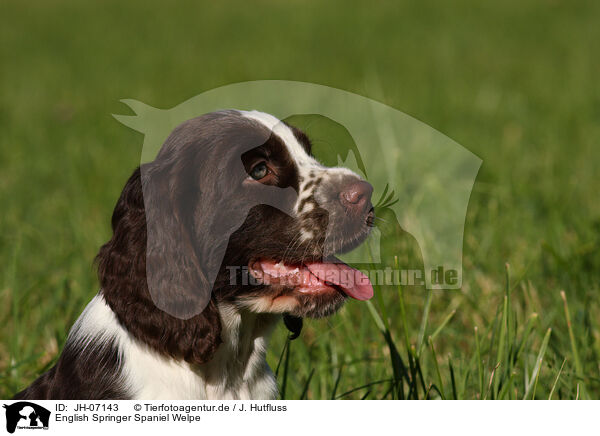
[509,325]
[398,366]
[443,324]
[420,375]
[433,387]
[287,342]
[377,382]
[437,369]
[574,350]
[452,380]
[489,389]
[337,383]
[412,380]
[556,380]
[306,385]
[479,363]
[538,364]
[285,369]
[375,316]
[527,332]
[510,334]
[462,388]
[506,387]
[423,327]
[500,352]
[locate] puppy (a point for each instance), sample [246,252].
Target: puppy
[232,226]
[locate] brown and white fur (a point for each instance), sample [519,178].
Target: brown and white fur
[160,327]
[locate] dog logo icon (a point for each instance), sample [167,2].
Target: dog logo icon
[422,178]
[26,415]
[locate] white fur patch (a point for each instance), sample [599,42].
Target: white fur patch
[237,371]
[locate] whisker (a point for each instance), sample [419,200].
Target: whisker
[290,246]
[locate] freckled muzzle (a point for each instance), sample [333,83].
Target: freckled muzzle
[337,211]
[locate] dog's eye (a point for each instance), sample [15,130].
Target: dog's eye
[259,171]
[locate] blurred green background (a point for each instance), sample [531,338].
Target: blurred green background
[516,82]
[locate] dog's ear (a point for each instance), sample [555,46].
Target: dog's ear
[149,271]
[176,273]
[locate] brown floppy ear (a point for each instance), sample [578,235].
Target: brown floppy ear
[150,273]
[176,275]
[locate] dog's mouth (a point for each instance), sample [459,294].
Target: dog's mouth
[314,277]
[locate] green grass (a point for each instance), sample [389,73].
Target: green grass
[515,82]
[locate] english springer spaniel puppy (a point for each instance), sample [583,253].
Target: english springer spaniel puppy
[233,226]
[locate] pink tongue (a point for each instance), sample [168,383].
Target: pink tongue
[353,282]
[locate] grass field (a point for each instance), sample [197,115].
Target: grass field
[515,82]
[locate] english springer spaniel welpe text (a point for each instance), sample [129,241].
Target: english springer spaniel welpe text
[231,227]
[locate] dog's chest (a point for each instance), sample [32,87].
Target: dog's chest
[225,377]
[238,370]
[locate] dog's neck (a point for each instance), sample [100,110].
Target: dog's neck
[240,361]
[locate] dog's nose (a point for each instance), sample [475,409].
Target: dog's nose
[356,196]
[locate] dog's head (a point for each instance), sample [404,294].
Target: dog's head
[235,208]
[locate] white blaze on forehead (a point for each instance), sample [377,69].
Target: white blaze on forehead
[297,151]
